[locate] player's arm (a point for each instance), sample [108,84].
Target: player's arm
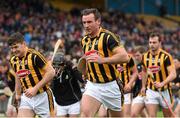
[119,53]
[17,86]
[134,72]
[17,79]
[18,90]
[144,75]
[133,76]
[119,56]
[171,70]
[49,73]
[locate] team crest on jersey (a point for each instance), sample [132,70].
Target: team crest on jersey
[23,73]
[120,68]
[154,69]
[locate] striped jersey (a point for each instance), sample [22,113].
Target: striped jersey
[29,69]
[105,42]
[158,64]
[125,70]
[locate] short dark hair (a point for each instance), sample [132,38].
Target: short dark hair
[139,49]
[95,11]
[155,34]
[15,38]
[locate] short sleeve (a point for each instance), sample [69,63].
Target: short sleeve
[113,42]
[168,61]
[40,61]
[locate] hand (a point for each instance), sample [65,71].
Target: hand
[158,84]
[127,88]
[143,91]
[94,57]
[30,92]
[16,100]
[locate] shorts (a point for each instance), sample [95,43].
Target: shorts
[139,100]
[42,104]
[106,93]
[127,98]
[154,97]
[69,109]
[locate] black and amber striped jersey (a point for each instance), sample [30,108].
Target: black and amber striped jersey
[125,70]
[158,64]
[105,42]
[29,69]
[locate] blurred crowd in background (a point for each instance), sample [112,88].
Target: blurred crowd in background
[42,25]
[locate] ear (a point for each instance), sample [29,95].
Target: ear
[98,21]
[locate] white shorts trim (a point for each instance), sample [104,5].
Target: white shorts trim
[107,93]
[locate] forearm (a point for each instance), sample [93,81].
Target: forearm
[46,78]
[144,80]
[133,78]
[170,78]
[116,59]
[18,87]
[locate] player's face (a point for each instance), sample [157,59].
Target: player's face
[18,49]
[138,56]
[91,25]
[154,43]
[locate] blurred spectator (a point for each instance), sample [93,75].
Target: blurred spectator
[4,89]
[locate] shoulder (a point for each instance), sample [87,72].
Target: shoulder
[165,53]
[110,33]
[146,53]
[12,59]
[32,51]
[35,52]
[84,39]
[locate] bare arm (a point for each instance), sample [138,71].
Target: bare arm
[48,76]
[119,56]
[16,102]
[144,77]
[134,76]
[172,75]
[17,86]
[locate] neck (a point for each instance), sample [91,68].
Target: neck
[95,33]
[155,52]
[24,53]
